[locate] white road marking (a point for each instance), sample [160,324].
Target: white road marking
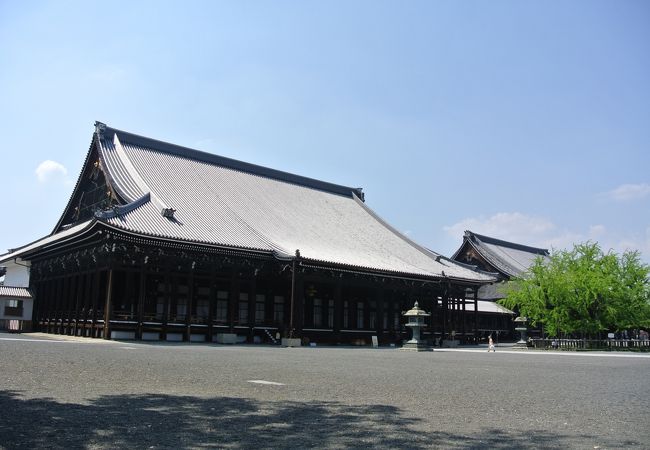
[128,348]
[272,383]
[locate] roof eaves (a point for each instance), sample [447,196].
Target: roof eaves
[392,273]
[177,241]
[50,240]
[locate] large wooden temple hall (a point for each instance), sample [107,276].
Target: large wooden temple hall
[162,242]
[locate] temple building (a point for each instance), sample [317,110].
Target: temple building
[162,242]
[506,260]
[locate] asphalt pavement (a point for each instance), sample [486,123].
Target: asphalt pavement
[86,393]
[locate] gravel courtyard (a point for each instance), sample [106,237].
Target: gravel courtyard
[83,393]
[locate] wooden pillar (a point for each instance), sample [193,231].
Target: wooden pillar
[430,308]
[299,303]
[338,309]
[94,298]
[78,302]
[252,298]
[445,313]
[87,299]
[189,307]
[51,304]
[63,304]
[41,292]
[476,315]
[72,305]
[66,318]
[72,295]
[58,304]
[46,304]
[212,303]
[142,293]
[379,314]
[292,297]
[233,300]
[464,315]
[454,315]
[165,317]
[451,324]
[37,287]
[108,305]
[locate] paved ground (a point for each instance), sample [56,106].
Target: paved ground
[82,393]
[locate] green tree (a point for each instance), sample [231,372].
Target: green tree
[583,290]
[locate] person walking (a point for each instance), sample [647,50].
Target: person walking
[490,344]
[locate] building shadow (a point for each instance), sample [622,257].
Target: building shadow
[169,421]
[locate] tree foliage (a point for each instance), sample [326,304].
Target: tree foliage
[583,290]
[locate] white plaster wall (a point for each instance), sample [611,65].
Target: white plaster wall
[17,274]
[28,305]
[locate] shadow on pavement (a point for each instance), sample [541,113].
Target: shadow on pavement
[168,421]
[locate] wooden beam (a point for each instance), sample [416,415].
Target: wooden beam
[108,305]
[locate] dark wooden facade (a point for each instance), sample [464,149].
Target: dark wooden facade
[111,284]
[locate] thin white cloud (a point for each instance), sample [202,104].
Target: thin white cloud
[515,227]
[51,171]
[629,192]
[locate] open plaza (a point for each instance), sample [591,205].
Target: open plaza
[63,391]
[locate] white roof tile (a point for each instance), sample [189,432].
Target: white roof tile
[14,292]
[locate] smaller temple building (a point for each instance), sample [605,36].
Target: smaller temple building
[506,260]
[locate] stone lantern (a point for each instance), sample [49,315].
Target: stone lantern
[520,325]
[416,322]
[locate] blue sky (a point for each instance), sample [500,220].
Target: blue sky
[527,121]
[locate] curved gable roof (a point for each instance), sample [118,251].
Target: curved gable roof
[509,258]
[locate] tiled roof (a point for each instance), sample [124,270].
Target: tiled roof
[508,257]
[14,292]
[220,201]
[68,233]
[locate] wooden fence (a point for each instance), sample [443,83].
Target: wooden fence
[591,344]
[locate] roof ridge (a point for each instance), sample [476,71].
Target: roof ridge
[513,245]
[230,163]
